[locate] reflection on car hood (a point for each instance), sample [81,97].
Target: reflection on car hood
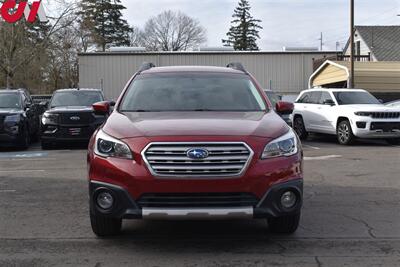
[132,124]
[69,109]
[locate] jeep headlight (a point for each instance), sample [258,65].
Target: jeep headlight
[49,118]
[284,146]
[107,146]
[363,114]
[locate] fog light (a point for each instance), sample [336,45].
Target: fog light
[105,200]
[288,199]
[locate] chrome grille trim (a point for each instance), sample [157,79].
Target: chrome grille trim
[168,159]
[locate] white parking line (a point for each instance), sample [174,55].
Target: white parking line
[313,147]
[323,157]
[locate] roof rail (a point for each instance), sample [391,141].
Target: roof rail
[146,66]
[237,66]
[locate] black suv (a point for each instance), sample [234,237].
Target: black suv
[19,118]
[70,117]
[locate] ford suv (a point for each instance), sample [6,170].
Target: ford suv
[70,117]
[194,143]
[346,113]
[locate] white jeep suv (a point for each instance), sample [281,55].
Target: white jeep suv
[347,113]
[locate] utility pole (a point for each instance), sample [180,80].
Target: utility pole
[351,78]
[321,39]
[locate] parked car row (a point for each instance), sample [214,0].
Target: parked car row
[67,117]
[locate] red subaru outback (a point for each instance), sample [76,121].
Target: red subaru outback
[194,143]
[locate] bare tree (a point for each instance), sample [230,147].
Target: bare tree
[18,49]
[172,31]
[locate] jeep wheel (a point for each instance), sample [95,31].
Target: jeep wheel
[103,226]
[394,142]
[345,133]
[300,129]
[284,225]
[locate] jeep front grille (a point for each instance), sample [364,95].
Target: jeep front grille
[385,115]
[171,160]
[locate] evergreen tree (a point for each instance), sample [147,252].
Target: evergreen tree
[103,19]
[244,31]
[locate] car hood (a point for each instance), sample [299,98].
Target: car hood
[371,108]
[10,111]
[69,109]
[133,124]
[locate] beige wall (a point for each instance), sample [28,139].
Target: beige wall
[288,72]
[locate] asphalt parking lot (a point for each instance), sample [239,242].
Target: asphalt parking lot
[351,217]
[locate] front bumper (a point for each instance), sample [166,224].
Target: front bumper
[126,207]
[68,133]
[376,129]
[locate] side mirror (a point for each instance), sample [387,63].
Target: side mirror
[283,107]
[102,108]
[329,102]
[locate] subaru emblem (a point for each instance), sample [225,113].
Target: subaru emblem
[197,153]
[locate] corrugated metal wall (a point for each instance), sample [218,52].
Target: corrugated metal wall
[286,73]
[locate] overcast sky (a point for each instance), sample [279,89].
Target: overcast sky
[285,22]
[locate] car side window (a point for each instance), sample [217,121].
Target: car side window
[324,97]
[315,96]
[304,99]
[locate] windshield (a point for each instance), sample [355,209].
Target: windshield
[350,98]
[192,92]
[75,98]
[10,101]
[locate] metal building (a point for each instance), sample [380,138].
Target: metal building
[283,72]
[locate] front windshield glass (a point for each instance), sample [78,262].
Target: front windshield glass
[75,98]
[192,92]
[357,97]
[10,101]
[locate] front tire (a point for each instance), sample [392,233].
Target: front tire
[25,140]
[300,129]
[344,133]
[104,226]
[285,224]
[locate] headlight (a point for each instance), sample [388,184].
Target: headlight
[49,118]
[364,114]
[12,118]
[284,146]
[107,146]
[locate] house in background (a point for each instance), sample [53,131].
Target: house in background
[382,43]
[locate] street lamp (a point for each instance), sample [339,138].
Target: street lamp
[351,78]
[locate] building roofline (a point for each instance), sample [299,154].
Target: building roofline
[204,53]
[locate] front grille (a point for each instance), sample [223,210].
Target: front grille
[385,115]
[224,159]
[76,118]
[197,200]
[385,126]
